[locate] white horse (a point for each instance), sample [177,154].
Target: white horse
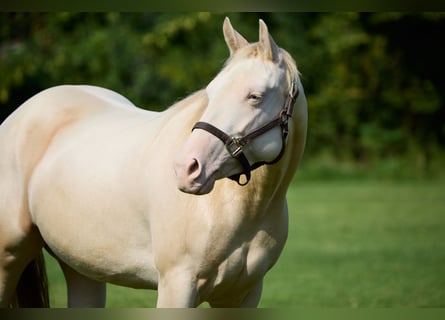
[136,198]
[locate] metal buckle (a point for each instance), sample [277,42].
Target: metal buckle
[235,147]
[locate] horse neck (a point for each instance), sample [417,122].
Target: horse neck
[188,111]
[251,204]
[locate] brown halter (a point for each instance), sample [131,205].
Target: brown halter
[235,145]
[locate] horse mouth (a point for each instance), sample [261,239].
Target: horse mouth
[194,176]
[198,188]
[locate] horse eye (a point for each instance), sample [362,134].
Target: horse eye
[254,98]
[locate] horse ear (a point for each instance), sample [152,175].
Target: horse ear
[234,40]
[268,45]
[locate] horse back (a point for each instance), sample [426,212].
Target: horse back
[27,133]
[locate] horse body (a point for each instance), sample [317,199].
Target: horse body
[102,158]
[92,177]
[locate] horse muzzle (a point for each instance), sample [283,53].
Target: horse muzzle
[191,176]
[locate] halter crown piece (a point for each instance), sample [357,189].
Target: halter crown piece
[235,145]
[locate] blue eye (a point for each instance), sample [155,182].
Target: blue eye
[254,98]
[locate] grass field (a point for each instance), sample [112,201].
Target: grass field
[351,244]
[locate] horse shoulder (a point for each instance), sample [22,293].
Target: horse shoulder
[269,241]
[239,249]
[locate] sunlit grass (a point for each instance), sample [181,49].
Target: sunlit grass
[362,244]
[351,244]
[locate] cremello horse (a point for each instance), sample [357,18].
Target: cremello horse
[137,198]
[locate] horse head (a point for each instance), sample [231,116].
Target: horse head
[245,123]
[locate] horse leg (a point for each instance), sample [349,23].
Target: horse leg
[176,290]
[10,272]
[15,255]
[253,297]
[250,300]
[83,291]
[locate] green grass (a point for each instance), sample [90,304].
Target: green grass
[362,244]
[351,244]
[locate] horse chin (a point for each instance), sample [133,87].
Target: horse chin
[198,188]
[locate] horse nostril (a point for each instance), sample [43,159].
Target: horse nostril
[194,168]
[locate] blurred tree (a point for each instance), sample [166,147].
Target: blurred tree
[374,81]
[375,84]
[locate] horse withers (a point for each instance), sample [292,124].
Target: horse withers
[142,199]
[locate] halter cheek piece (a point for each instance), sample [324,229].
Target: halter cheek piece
[235,145]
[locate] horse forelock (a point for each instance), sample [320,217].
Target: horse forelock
[254,51]
[251,51]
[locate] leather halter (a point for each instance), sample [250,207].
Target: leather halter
[235,145]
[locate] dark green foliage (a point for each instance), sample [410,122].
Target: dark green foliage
[374,82]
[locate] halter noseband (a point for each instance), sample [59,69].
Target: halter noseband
[235,145]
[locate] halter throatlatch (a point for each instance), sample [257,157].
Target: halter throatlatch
[235,145]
